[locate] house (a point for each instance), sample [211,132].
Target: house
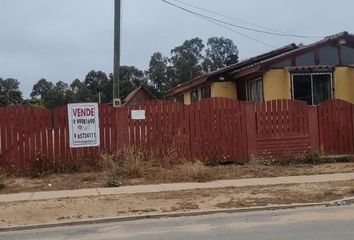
[138,96]
[312,73]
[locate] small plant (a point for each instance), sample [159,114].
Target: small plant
[269,159]
[38,164]
[112,182]
[212,161]
[313,158]
[2,178]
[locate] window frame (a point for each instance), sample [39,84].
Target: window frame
[197,94]
[180,99]
[207,89]
[312,88]
[248,84]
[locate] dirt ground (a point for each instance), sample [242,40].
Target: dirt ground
[181,174]
[76,209]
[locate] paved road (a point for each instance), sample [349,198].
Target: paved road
[310,224]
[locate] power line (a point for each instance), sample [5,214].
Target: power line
[242,34]
[230,18]
[277,33]
[218,24]
[246,22]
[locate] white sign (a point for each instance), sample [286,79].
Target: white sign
[84,125]
[138,115]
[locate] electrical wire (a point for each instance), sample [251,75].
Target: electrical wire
[278,33]
[234,31]
[230,18]
[246,22]
[211,20]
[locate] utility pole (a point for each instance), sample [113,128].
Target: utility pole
[117,37]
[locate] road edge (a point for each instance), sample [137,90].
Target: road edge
[164,215]
[339,202]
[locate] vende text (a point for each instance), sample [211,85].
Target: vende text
[84,112]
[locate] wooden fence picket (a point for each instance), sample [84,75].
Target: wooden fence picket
[218,127]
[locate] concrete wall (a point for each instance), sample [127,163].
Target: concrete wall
[224,89]
[187,98]
[218,89]
[344,84]
[277,84]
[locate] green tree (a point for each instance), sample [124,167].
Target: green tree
[130,79]
[80,92]
[10,92]
[56,96]
[41,88]
[15,97]
[9,84]
[159,74]
[220,52]
[186,59]
[107,90]
[93,80]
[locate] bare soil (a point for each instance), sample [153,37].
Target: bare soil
[76,209]
[185,173]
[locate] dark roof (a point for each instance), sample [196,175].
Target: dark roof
[132,94]
[307,48]
[237,66]
[315,68]
[261,62]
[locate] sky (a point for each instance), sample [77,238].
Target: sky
[62,40]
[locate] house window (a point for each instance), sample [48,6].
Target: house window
[180,99]
[255,90]
[312,88]
[206,92]
[194,95]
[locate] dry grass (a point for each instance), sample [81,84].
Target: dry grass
[195,172]
[134,164]
[132,167]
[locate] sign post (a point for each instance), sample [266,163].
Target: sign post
[84,126]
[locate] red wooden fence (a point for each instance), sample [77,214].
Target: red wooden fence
[336,127]
[217,127]
[282,127]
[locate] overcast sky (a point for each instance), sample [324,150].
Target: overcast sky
[65,39]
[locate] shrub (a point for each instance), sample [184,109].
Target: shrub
[313,158]
[212,161]
[38,165]
[2,179]
[112,182]
[130,163]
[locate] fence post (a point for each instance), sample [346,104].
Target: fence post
[251,129]
[314,129]
[121,118]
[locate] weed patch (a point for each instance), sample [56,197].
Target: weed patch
[298,160]
[112,182]
[2,179]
